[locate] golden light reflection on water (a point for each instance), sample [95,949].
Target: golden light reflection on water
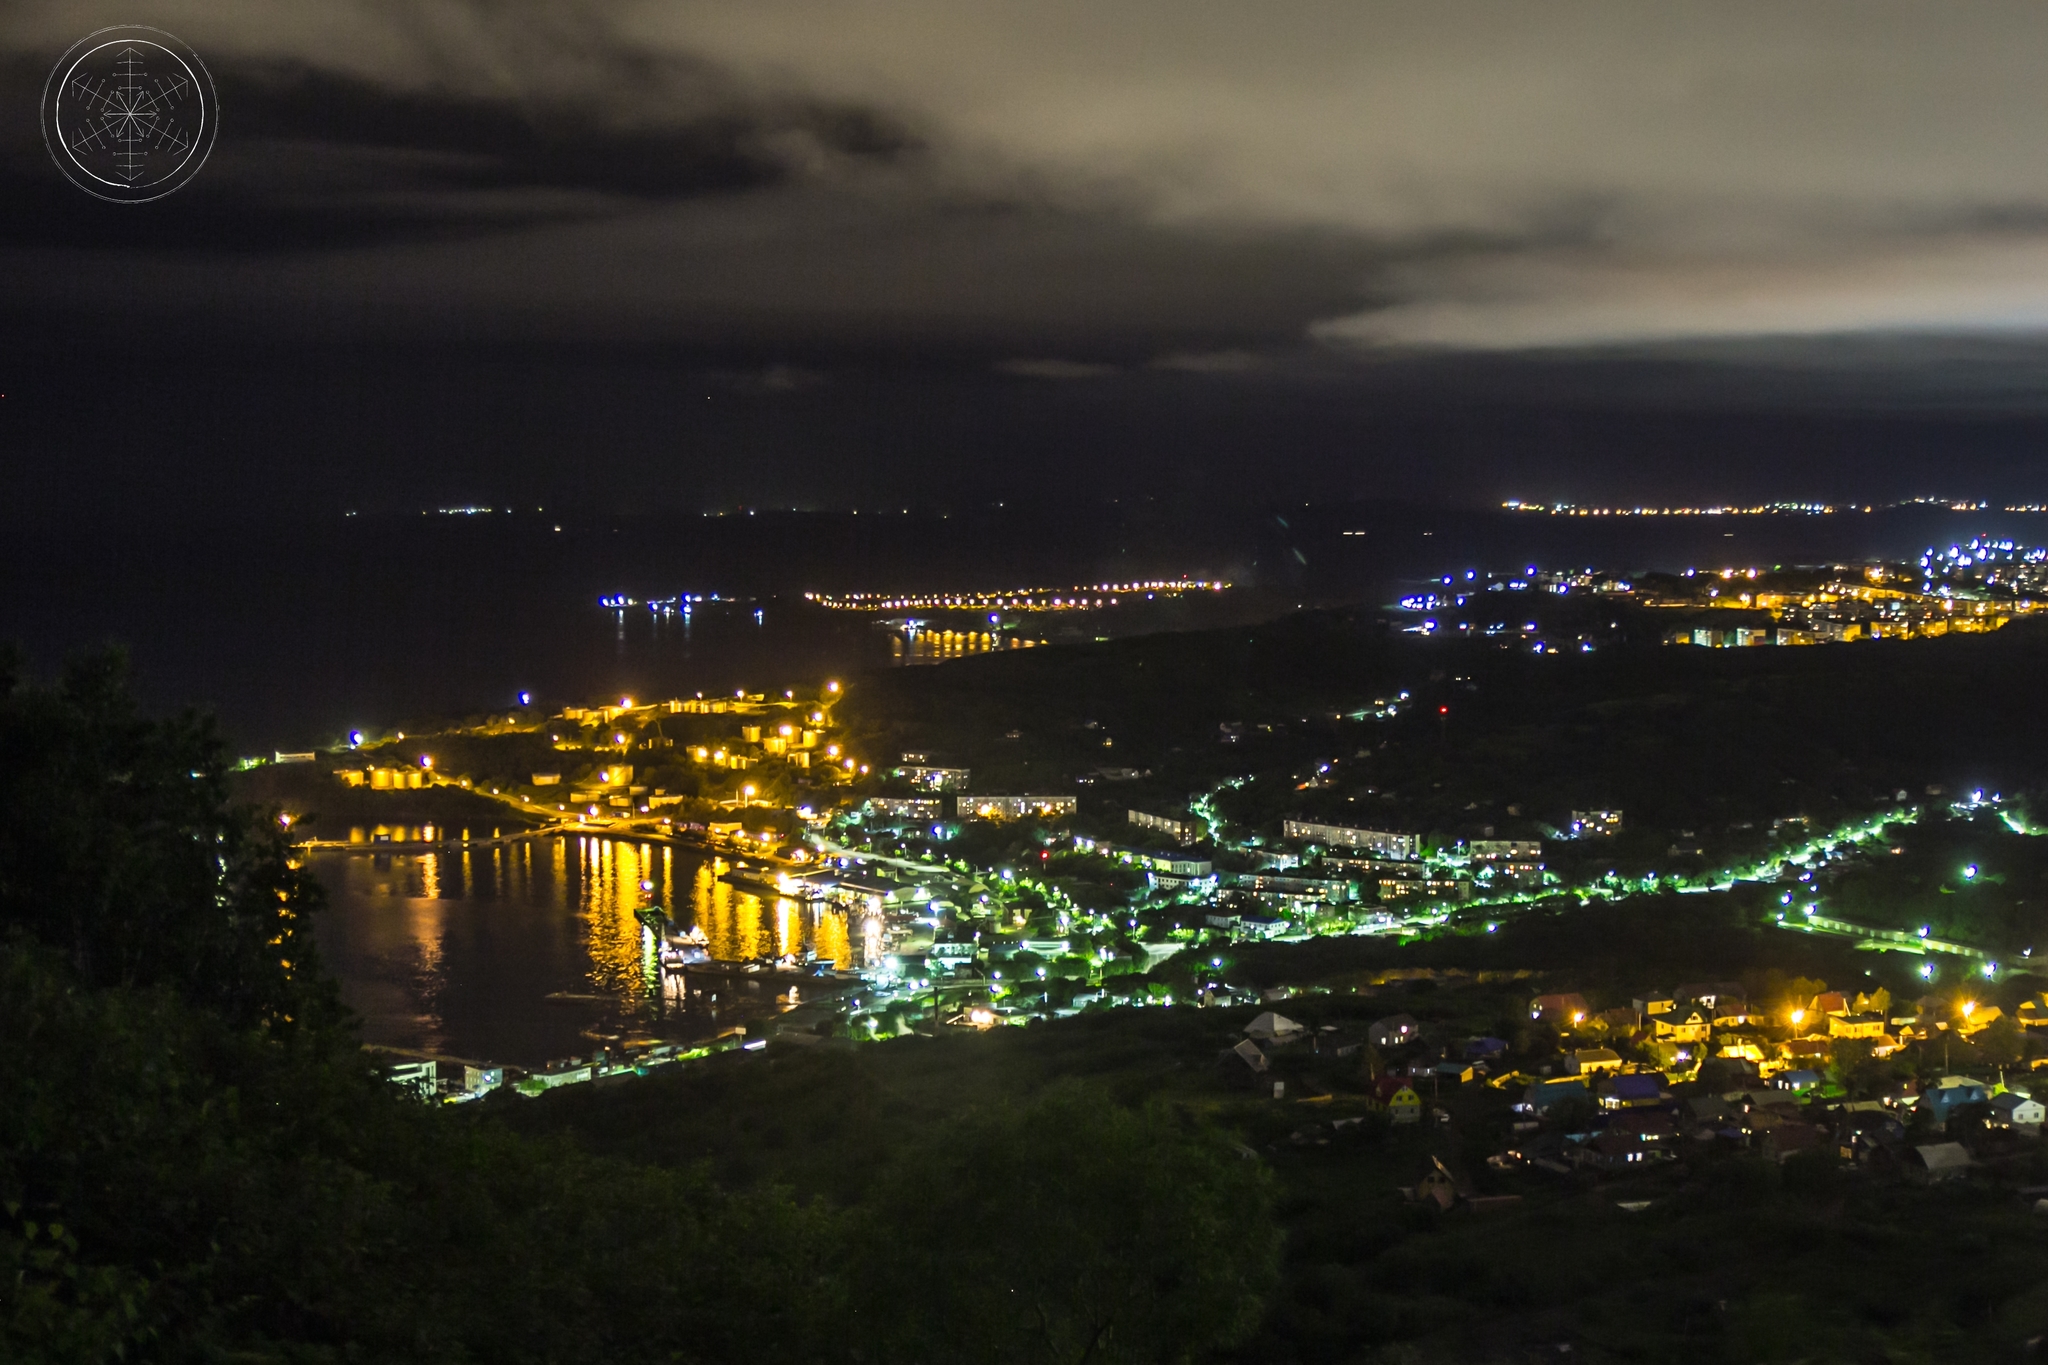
[739,924]
[602,883]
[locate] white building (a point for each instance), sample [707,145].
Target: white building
[1382,842]
[1016,807]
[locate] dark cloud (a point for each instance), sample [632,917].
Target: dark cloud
[806,243]
[316,158]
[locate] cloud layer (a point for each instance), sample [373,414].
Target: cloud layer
[1112,182]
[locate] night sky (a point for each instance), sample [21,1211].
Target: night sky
[676,256]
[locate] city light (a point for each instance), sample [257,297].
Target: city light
[1085,597]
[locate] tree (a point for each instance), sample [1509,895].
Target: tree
[1070,1232]
[119,849]
[2001,1042]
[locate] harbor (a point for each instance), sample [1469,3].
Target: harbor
[525,950]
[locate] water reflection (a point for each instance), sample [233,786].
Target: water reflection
[528,950]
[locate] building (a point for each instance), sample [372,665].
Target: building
[1559,1009]
[2014,1110]
[1787,1138]
[1614,1151]
[1310,889]
[1638,1090]
[418,1077]
[1382,842]
[1682,1026]
[1504,850]
[1399,1099]
[934,779]
[1015,807]
[1591,824]
[1176,828]
[1937,1163]
[1856,1026]
[1544,1093]
[1425,888]
[1591,1061]
[1392,1031]
[1275,1028]
[1949,1094]
[917,808]
[1719,996]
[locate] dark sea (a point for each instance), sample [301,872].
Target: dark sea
[296,630]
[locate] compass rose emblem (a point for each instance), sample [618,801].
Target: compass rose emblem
[129,114]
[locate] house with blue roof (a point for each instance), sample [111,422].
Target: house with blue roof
[1639,1090]
[1949,1094]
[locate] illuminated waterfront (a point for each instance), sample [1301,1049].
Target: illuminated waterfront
[458,951]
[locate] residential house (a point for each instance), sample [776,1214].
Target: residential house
[1864,1130]
[2014,1110]
[1437,1186]
[1938,1162]
[1559,1009]
[1687,1024]
[2033,1011]
[1274,1028]
[1587,1061]
[1398,1098]
[1977,1018]
[1715,995]
[1619,1151]
[1808,1052]
[1787,1138]
[1456,1072]
[1646,1125]
[1796,1081]
[1640,1090]
[1750,1049]
[1541,1150]
[1856,1025]
[1617,1020]
[1249,1054]
[1827,1002]
[1544,1093]
[1393,1031]
[1713,1117]
[1649,1004]
[1949,1094]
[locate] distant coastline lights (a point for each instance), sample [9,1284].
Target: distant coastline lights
[1085,597]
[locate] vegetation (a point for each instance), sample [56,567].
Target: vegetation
[197,1162]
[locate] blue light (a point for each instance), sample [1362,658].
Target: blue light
[526,698]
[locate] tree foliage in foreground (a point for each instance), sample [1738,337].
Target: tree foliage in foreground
[197,1163]
[1072,1232]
